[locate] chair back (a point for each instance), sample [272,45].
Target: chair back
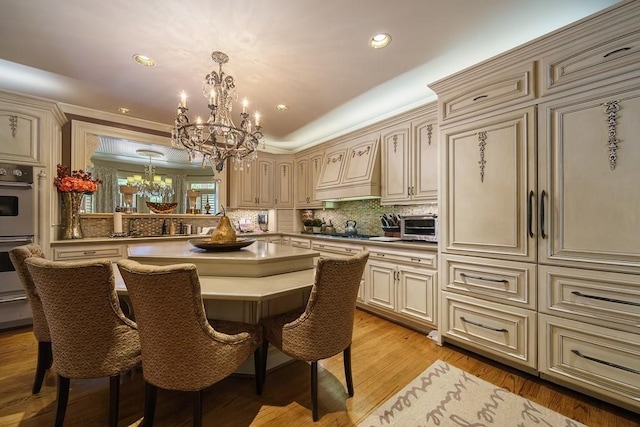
[18,256]
[90,335]
[326,326]
[180,349]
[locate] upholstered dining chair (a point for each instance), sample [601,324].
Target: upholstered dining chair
[181,349]
[325,326]
[18,255]
[90,336]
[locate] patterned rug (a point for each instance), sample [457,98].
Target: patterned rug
[444,395]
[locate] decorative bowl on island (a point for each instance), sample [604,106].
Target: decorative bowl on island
[209,245]
[161,208]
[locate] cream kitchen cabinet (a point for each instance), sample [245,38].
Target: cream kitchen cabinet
[489,186]
[253,185]
[401,285]
[307,175]
[284,183]
[588,181]
[409,165]
[29,128]
[300,242]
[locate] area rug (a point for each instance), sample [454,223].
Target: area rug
[444,395]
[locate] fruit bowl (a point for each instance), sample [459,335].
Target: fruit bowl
[161,208]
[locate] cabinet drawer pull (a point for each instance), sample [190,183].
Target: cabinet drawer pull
[478,98]
[530,214]
[13,299]
[604,362]
[488,279]
[416,260]
[348,249]
[491,328]
[543,234]
[89,252]
[617,301]
[380,255]
[613,52]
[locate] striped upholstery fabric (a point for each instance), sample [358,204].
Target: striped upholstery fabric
[90,335]
[18,257]
[180,349]
[324,328]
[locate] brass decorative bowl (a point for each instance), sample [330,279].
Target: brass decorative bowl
[161,208]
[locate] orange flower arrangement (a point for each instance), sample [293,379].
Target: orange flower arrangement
[77,181]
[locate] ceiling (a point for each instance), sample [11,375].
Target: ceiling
[311,55]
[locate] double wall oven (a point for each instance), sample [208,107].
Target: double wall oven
[17,227]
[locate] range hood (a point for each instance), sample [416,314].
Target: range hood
[351,171]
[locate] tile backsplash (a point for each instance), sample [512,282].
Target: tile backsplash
[366,214]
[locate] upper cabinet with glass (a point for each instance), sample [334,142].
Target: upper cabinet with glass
[137,167]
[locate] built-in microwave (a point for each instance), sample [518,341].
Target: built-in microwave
[419,227]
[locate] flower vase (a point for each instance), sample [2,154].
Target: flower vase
[71,202]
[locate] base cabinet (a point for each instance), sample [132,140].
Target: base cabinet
[597,360]
[402,286]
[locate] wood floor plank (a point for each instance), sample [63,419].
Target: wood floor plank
[385,357]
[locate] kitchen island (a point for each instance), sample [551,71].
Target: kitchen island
[245,285]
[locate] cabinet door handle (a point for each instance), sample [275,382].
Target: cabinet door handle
[604,362]
[488,279]
[543,234]
[491,328]
[530,214]
[617,301]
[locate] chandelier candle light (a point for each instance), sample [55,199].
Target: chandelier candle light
[217,139]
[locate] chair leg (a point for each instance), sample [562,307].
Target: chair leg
[62,398]
[114,399]
[197,408]
[45,359]
[150,392]
[265,351]
[346,355]
[314,390]
[257,367]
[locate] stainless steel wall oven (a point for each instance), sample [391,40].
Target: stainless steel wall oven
[17,227]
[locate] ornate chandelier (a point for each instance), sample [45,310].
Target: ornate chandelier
[217,139]
[151,185]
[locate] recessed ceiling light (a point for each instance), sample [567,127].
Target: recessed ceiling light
[380,40]
[144,60]
[123,110]
[281,107]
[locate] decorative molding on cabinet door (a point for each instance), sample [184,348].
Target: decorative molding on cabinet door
[429,132]
[612,108]
[482,142]
[13,124]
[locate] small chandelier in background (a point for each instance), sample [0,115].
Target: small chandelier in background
[218,138]
[151,185]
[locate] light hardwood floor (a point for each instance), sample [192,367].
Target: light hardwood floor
[385,357]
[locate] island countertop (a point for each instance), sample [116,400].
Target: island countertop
[259,259]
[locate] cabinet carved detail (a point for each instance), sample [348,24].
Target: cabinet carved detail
[395,144]
[612,108]
[429,133]
[335,159]
[362,152]
[13,123]
[482,142]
